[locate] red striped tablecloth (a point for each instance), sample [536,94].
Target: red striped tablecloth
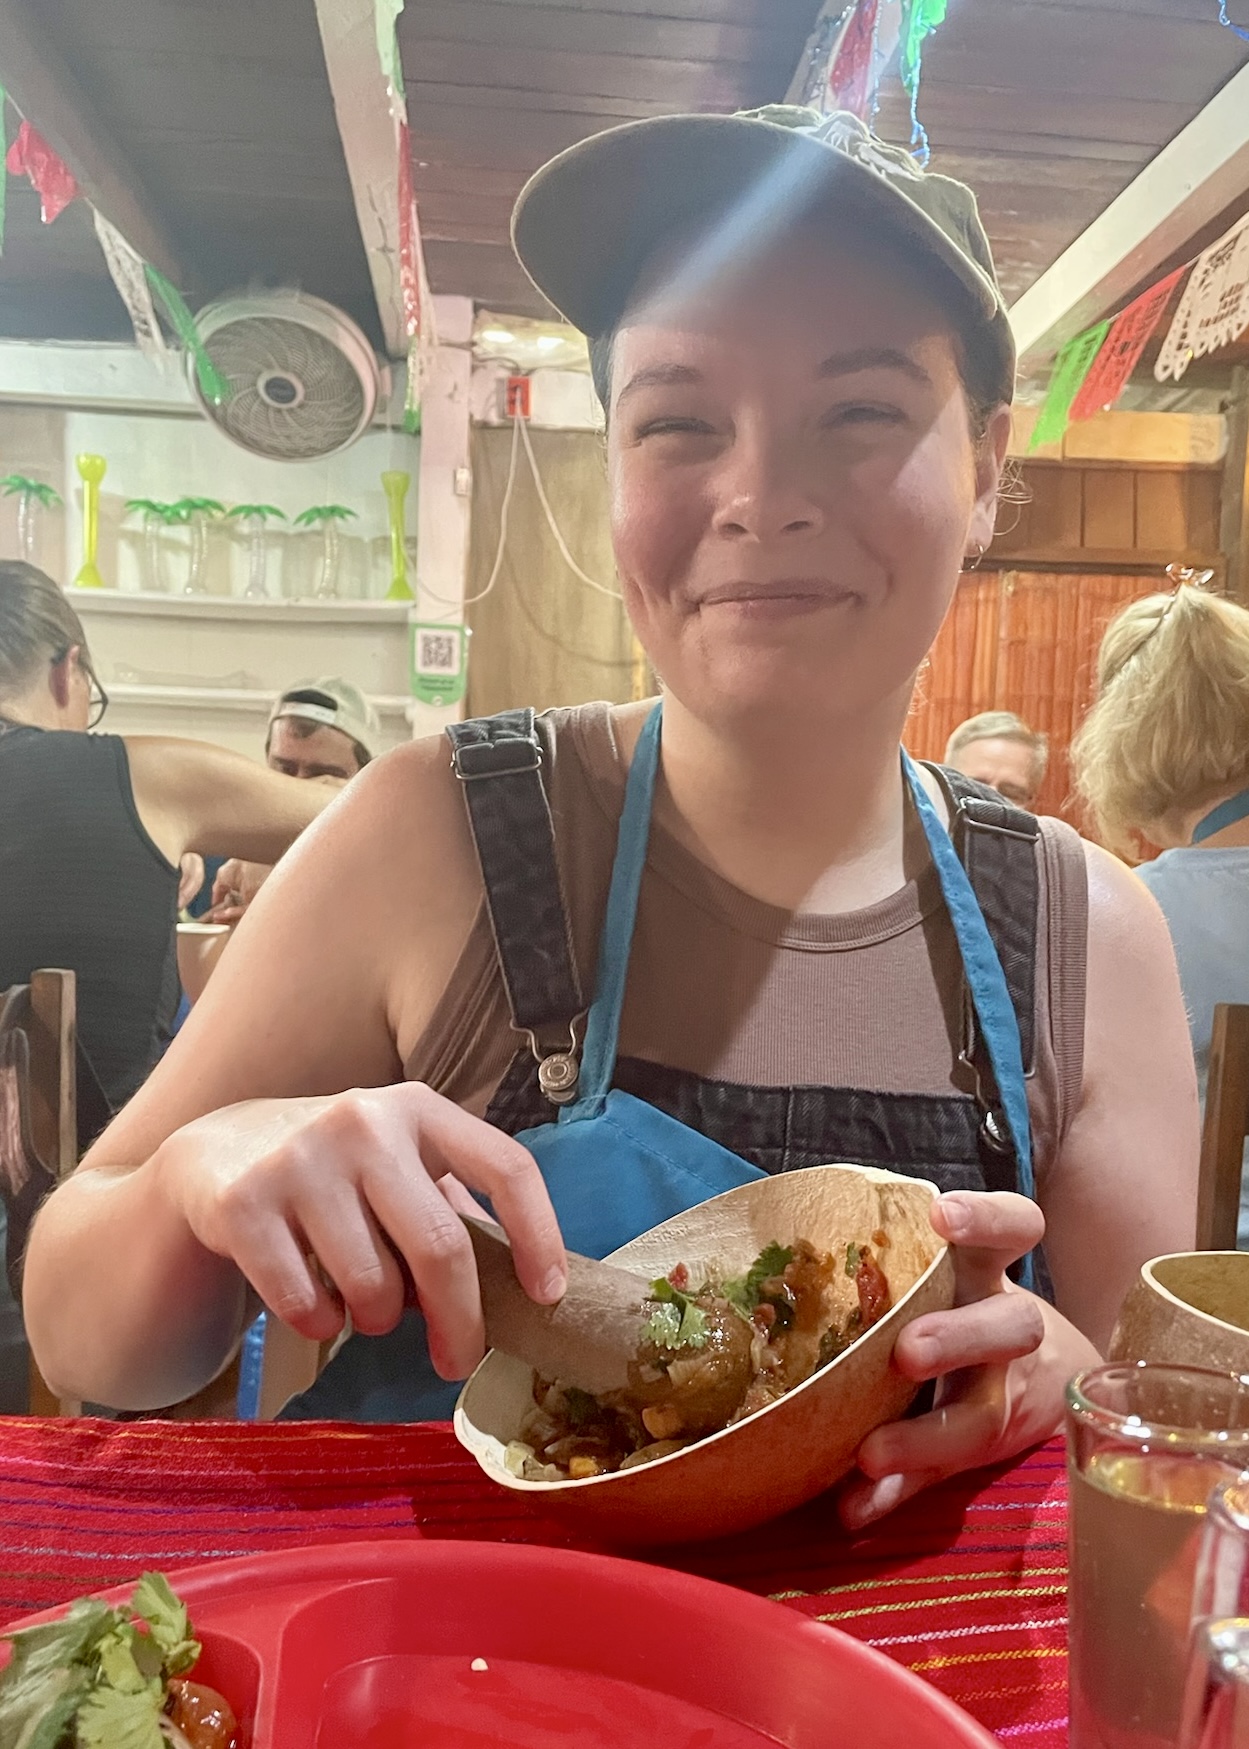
[965,1585]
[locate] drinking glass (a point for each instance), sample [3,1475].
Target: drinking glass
[1147,1445]
[1216,1701]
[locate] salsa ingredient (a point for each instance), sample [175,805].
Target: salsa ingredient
[110,1677]
[709,1356]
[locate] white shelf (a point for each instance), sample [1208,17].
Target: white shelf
[226,698]
[232,607]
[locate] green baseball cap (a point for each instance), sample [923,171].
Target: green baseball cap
[586,223]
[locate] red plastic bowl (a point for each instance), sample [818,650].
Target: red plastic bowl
[370,1645]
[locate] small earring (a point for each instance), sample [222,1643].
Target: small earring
[971,564]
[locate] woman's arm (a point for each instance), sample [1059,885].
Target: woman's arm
[194,796]
[1124,1189]
[270,1131]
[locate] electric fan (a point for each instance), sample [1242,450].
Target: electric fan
[304,380]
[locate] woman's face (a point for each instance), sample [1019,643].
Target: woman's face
[793,483]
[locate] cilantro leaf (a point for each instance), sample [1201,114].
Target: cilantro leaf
[53,1644]
[693,1331]
[663,1327]
[583,1409]
[853,1259]
[109,1719]
[743,1291]
[166,1617]
[677,1323]
[128,1661]
[37,1706]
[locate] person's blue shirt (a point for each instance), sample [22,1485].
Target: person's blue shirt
[1204,895]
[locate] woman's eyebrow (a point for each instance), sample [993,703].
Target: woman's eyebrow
[842,364]
[660,376]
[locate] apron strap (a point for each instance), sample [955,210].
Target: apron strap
[996,843]
[499,762]
[602,1032]
[986,980]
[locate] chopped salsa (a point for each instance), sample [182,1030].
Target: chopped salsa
[710,1355]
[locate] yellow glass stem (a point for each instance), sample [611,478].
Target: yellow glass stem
[395,485]
[91,470]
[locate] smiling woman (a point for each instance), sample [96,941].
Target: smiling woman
[797,947]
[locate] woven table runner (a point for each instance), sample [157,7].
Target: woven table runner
[964,1585]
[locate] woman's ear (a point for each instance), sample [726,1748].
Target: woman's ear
[990,461]
[61,675]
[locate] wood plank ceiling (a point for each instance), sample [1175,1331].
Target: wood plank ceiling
[223,110]
[1047,107]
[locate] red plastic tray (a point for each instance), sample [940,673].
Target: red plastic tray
[370,1645]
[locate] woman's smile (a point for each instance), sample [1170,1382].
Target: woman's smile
[786,598]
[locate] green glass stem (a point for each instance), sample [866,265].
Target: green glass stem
[395,485]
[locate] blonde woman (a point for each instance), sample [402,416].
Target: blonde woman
[1164,752]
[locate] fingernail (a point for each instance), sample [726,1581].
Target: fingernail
[957,1217]
[554,1286]
[864,1509]
[922,1351]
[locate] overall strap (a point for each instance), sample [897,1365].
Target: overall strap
[499,760]
[602,1032]
[996,843]
[986,981]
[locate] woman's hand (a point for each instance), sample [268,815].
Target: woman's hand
[1001,1358]
[319,1202]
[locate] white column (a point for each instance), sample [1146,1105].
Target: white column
[445,499]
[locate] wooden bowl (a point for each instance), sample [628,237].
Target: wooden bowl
[799,1445]
[1191,1308]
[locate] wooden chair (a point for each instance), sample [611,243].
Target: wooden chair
[40,1134]
[1225,1130]
[38,1120]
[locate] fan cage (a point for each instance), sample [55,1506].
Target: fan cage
[304,380]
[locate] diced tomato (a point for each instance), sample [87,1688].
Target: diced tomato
[679,1278]
[874,1296]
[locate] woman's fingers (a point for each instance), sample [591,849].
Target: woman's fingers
[862,1501]
[989,1332]
[287,1280]
[352,1254]
[450,1140]
[434,1243]
[989,1231]
[961,1434]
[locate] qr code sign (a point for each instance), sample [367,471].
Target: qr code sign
[438,653]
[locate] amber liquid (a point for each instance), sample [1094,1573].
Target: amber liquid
[1135,1531]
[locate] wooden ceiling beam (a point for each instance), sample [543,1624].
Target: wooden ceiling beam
[1186,186]
[371,147]
[54,102]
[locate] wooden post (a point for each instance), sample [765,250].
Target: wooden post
[445,501]
[1234,513]
[1223,1135]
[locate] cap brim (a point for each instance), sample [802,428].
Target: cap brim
[587,222]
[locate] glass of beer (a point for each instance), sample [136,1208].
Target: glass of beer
[1146,1447]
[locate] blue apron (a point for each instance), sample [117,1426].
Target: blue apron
[615,1165]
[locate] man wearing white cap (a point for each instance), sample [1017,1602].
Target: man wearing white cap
[321,728]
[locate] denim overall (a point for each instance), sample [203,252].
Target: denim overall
[617,1161]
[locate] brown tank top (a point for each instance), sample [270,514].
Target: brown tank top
[726,987]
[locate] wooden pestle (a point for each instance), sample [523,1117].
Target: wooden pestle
[587,1340]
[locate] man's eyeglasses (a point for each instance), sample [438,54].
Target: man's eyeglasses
[97,697]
